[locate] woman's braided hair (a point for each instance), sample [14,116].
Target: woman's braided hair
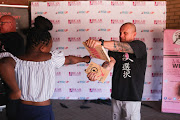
[39,33]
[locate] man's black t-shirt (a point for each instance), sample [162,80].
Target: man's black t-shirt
[129,73]
[12,42]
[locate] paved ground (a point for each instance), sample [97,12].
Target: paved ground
[101,110]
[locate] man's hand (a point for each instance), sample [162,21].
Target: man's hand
[92,43]
[92,76]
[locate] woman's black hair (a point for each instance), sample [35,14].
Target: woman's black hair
[39,33]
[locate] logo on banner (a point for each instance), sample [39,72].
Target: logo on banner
[149,66]
[61,48]
[147,30]
[74,73]
[40,13]
[62,81]
[74,89]
[159,21]
[169,98]
[103,29]
[79,12]
[63,98]
[146,99]
[106,82]
[149,48]
[82,30]
[83,98]
[55,21]
[58,73]
[176,37]
[74,3]
[35,4]
[157,39]
[157,57]
[95,38]
[139,21]
[82,81]
[114,39]
[104,11]
[74,21]
[80,47]
[126,12]
[74,39]
[57,90]
[159,3]
[147,12]
[49,4]
[116,21]
[95,90]
[56,39]
[147,83]
[138,3]
[157,74]
[117,3]
[165,98]
[62,30]
[141,39]
[95,20]
[62,12]
[95,3]
[156,91]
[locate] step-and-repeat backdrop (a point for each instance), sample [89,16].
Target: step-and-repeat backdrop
[77,21]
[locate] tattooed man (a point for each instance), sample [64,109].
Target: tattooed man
[128,74]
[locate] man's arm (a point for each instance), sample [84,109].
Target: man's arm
[8,75]
[107,65]
[115,46]
[74,59]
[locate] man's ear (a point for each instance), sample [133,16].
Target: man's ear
[135,34]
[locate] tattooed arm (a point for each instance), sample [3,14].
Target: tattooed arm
[109,65]
[115,46]
[118,46]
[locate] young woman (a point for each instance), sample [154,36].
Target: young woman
[31,76]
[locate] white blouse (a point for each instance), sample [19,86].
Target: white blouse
[36,80]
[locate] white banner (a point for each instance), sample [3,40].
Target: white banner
[77,21]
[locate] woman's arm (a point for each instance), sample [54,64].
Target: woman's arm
[74,59]
[7,73]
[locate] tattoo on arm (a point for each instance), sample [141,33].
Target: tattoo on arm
[105,65]
[122,47]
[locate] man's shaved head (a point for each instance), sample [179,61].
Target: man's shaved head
[7,24]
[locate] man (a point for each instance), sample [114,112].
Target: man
[128,74]
[12,42]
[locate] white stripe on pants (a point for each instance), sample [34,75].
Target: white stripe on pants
[126,110]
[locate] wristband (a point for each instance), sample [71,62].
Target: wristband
[102,42]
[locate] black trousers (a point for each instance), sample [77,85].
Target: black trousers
[12,108]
